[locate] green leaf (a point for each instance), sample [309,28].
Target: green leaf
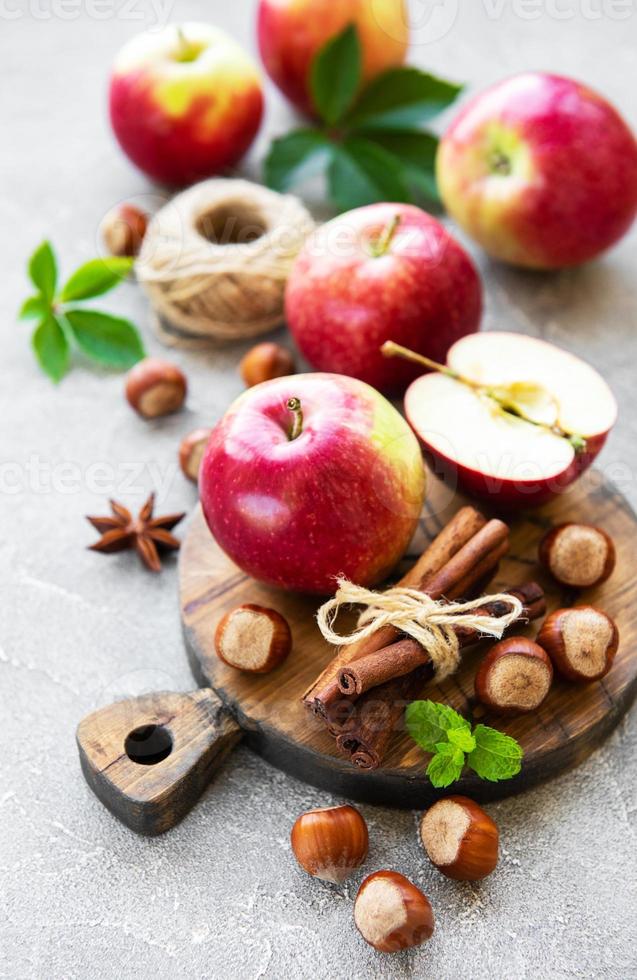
[362,173]
[462,739]
[43,270]
[446,766]
[95,278]
[496,755]
[295,157]
[34,308]
[335,75]
[400,99]
[428,723]
[108,339]
[416,152]
[51,348]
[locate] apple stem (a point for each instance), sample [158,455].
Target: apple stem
[187,51]
[294,405]
[381,244]
[391,349]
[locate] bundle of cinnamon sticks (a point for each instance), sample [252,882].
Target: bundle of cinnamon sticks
[364,690]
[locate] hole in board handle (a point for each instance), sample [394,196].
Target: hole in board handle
[148,745]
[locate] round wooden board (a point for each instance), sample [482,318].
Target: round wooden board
[569,726]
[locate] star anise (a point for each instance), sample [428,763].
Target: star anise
[145,533]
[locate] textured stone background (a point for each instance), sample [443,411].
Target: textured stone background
[220,896]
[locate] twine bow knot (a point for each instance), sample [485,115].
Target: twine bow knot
[431,623]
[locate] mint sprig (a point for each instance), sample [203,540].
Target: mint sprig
[368,140]
[62,324]
[440,730]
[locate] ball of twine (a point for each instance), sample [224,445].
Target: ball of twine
[215,260]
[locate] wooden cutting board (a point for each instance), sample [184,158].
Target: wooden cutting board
[571,723]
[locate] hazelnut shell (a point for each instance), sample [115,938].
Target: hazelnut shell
[391,913]
[581,641]
[330,843]
[460,839]
[514,677]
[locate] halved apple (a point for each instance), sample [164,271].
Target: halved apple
[520,422]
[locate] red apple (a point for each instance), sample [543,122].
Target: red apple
[383,272]
[185,102]
[296,501]
[541,171]
[491,453]
[291,32]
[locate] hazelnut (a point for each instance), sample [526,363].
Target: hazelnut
[155,387]
[191,452]
[391,913]
[123,230]
[581,642]
[515,676]
[264,362]
[253,638]
[460,839]
[578,555]
[330,843]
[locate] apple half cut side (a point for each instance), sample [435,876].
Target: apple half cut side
[493,454]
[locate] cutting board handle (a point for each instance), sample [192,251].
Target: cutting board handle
[149,759]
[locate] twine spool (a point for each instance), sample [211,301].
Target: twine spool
[215,260]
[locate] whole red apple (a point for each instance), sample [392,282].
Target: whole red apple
[493,453]
[291,32]
[310,477]
[383,272]
[541,171]
[185,102]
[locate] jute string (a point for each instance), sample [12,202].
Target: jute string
[229,288]
[429,622]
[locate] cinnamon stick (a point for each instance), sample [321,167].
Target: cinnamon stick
[406,655]
[464,526]
[379,713]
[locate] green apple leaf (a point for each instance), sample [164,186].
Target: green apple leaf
[51,347]
[110,340]
[362,173]
[295,157]
[34,308]
[43,270]
[95,278]
[335,75]
[400,99]
[446,766]
[496,755]
[429,723]
[416,153]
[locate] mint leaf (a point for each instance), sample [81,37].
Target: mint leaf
[295,157]
[462,739]
[51,348]
[416,152]
[43,270]
[108,339]
[335,75]
[496,755]
[95,278]
[401,98]
[446,766]
[34,308]
[362,173]
[429,722]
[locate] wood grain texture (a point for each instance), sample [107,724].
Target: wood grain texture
[565,730]
[181,739]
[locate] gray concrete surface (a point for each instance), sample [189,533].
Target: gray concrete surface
[220,896]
